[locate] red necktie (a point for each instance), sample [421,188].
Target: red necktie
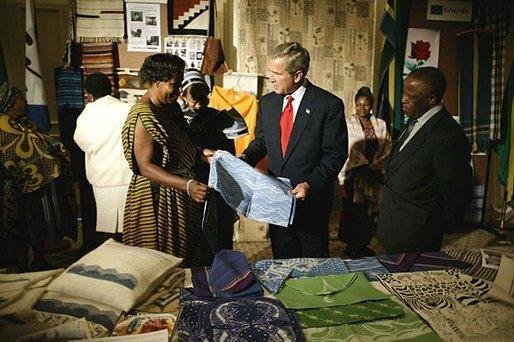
[286,124]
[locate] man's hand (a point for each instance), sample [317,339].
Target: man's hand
[301,190]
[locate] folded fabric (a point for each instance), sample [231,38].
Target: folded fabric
[491,256]
[18,327]
[503,286]
[408,327]
[474,259]
[19,292]
[454,304]
[273,273]
[200,278]
[436,289]
[414,262]
[169,286]
[370,266]
[249,319]
[250,192]
[116,275]
[492,321]
[229,277]
[230,272]
[143,323]
[328,291]
[234,124]
[352,313]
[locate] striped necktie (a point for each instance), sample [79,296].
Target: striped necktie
[406,133]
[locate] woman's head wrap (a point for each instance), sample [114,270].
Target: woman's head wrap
[8,96]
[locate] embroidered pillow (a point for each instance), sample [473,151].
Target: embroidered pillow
[117,275]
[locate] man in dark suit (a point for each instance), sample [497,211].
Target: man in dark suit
[301,128]
[429,180]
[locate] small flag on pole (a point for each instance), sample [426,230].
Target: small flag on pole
[36,96]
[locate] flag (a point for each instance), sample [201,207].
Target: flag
[475,63]
[504,146]
[3,71]
[36,97]
[394,27]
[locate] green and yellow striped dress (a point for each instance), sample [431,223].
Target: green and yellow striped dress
[167,219]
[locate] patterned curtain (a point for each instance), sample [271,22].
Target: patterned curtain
[338,35]
[494,15]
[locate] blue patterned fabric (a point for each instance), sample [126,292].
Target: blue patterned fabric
[107,274]
[201,277]
[249,319]
[231,276]
[370,266]
[273,273]
[188,328]
[414,262]
[68,88]
[90,312]
[250,192]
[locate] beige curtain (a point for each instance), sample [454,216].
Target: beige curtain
[338,34]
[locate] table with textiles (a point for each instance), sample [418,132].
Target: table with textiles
[422,296]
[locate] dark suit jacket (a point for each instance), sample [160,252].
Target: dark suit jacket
[428,187]
[316,151]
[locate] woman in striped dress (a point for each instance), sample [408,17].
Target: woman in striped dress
[164,207]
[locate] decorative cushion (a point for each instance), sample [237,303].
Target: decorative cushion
[98,313]
[116,275]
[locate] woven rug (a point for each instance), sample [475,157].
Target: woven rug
[100,57]
[100,21]
[188,17]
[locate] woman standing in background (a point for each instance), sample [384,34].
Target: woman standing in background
[361,178]
[37,202]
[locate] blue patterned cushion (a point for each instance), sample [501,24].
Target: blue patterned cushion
[77,307]
[117,275]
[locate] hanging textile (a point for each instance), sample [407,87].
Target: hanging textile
[100,21]
[70,102]
[213,58]
[189,17]
[37,109]
[504,146]
[494,15]
[337,34]
[100,57]
[475,53]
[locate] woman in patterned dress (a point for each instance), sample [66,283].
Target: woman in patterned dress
[37,201]
[164,207]
[361,178]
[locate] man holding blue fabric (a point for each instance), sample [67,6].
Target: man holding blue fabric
[301,128]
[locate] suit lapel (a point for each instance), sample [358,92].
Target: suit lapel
[398,158]
[302,118]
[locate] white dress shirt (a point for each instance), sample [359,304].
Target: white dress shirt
[297,99]
[420,122]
